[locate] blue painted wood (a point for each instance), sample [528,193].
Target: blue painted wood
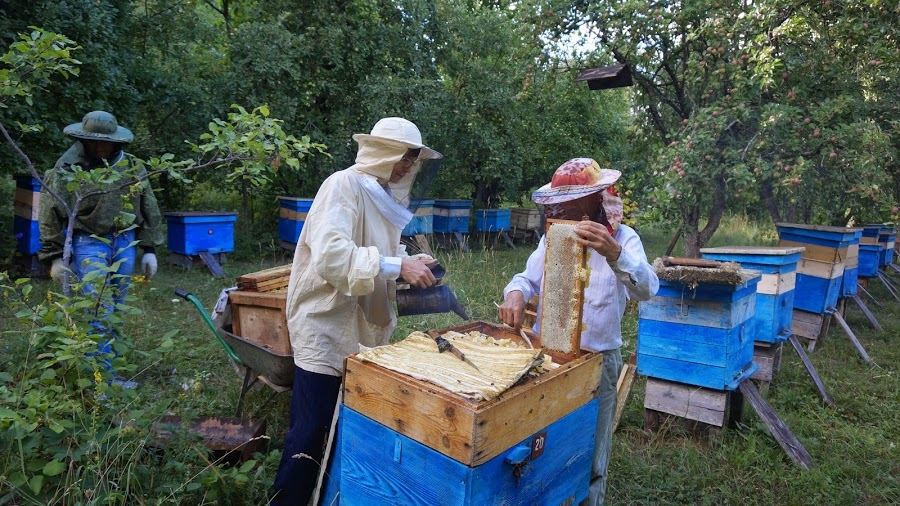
[869,260]
[834,237]
[381,466]
[886,239]
[816,295]
[189,233]
[704,340]
[492,220]
[707,291]
[772,320]
[851,270]
[28,235]
[701,375]
[703,313]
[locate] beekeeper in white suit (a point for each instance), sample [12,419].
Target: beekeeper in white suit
[347,259]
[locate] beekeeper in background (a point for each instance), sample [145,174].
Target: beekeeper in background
[108,219]
[341,288]
[581,191]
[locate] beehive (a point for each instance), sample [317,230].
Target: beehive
[821,269]
[698,335]
[193,232]
[771,321]
[292,214]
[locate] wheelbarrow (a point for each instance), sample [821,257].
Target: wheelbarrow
[258,363]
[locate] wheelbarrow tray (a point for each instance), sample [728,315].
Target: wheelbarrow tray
[278,369]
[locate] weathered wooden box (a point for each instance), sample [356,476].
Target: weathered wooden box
[230,439]
[525,218]
[821,270]
[698,336]
[470,432]
[771,323]
[260,317]
[550,465]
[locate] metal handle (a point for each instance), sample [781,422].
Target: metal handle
[193,299]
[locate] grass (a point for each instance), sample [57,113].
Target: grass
[854,446]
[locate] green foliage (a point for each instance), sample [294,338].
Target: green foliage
[758,106]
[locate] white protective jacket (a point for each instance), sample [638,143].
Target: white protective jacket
[336,298]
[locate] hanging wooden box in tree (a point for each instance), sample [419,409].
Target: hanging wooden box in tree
[603,78]
[821,269]
[699,335]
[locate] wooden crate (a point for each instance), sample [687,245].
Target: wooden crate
[525,218]
[230,439]
[467,431]
[260,317]
[690,402]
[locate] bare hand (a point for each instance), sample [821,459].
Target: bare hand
[595,236]
[512,309]
[417,273]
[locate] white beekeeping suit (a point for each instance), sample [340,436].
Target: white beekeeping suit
[338,296]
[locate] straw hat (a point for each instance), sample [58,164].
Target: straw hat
[99,126]
[397,132]
[574,179]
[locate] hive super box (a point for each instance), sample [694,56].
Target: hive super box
[850,280]
[192,232]
[771,322]
[291,217]
[534,442]
[698,336]
[492,220]
[423,219]
[821,269]
[25,221]
[451,215]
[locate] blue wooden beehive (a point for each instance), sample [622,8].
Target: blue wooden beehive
[492,220]
[451,215]
[380,466]
[886,238]
[821,269]
[192,232]
[850,280]
[771,323]
[25,220]
[291,217]
[423,217]
[869,251]
[699,336]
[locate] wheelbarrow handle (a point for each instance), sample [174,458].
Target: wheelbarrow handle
[212,326]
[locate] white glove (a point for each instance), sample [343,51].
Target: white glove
[148,264]
[57,268]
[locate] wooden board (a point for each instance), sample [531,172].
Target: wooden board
[261,318]
[811,326]
[819,253]
[468,431]
[222,435]
[768,358]
[695,403]
[562,293]
[265,280]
